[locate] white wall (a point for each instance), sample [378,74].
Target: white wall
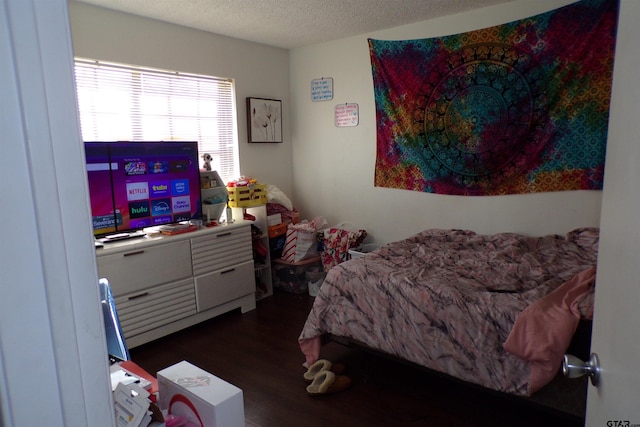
[333,168]
[258,70]
[329,171]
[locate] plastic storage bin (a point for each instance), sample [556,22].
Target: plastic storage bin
[360,251]
[247,195]
[315,276]
[213,212]
[292,277]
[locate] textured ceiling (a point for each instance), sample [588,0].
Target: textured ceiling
[292,23]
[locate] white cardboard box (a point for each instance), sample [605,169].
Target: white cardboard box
[203,398]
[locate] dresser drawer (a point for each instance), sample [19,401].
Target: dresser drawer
[219,287]
[152,308]
[222,250]
[137,269]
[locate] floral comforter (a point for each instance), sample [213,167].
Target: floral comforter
[448,299]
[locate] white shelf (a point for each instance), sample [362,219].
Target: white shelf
[262,265]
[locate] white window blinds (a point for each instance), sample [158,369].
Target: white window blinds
[125,103]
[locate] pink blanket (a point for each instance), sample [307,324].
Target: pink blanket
[448,299]
[543,331]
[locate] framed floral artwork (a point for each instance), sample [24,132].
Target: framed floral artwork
[264,120]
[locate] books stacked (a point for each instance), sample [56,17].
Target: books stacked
[172,229]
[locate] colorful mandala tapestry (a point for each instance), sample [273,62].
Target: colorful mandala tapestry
[517,108]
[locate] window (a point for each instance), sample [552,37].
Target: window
[125,103]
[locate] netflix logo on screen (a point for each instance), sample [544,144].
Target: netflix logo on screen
[137,191]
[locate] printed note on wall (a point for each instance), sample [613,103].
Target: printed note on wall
[347,115]
[322,89]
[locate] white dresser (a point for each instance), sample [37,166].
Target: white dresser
[162,284]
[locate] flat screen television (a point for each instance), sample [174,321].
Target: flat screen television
[134,185]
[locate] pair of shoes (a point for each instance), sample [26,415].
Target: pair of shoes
[326,382]
[323,365]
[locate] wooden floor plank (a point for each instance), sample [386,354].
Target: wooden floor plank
[258,352]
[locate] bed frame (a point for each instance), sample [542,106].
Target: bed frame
[563,395]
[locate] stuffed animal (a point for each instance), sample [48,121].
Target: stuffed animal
[207,161]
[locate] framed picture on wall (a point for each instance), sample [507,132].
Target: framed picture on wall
[264,120]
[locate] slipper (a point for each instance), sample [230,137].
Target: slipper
[323,365]
[326,382]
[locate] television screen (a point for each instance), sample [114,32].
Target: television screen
[103,216]
[134,185]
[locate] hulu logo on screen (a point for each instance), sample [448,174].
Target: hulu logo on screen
[139,209]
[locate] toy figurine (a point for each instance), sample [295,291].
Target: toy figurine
[207,161]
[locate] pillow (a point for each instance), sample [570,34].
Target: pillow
[543,331]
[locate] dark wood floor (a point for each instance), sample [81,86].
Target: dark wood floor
[258,352]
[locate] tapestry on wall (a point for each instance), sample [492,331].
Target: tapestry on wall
[517,108]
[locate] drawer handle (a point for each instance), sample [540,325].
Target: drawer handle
[133,253]
[144,294]
[223,234]
[228,271]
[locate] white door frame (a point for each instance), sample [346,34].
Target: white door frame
[53,364]
[617,302]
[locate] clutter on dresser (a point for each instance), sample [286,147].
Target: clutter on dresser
[178,228]
[215,196]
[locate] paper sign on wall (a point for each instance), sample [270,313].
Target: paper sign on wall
[322,89]
[347,115]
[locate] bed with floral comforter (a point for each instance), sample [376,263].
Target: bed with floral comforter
[494,310]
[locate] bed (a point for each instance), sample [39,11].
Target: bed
[496,310]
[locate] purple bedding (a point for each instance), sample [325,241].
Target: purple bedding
[448,299]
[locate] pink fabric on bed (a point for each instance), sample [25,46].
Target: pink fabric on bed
[311,349]
[543,331]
